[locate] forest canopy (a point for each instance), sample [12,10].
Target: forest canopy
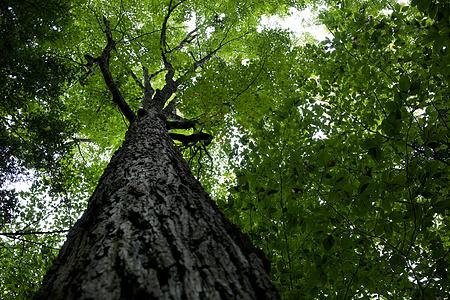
[332,155]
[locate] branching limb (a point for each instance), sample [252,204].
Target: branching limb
[148,89]
[103,62]
[174,121]
[147,80]
[163,44]
[170,110]
[161,96]
[159,99]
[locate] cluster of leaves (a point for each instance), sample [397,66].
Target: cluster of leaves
[34,126]
[39,132]
[343,171]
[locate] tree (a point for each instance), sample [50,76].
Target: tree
[32,76]
[36,134]
[190,249]
[150,230]
[332,156]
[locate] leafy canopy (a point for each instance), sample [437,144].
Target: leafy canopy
[332,155]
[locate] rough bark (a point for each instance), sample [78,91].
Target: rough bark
[151,232]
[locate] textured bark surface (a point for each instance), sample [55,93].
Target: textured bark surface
[151,232]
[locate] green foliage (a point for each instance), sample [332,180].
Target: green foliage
[24,263]
[354,212]
[333,156]
[34,121]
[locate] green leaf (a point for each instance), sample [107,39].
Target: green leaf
[392,124]
[397,262]
[404,83]
[328,242]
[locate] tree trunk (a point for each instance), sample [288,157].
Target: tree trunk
[151,232]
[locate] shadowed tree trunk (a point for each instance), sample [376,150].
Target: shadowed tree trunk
[151,232]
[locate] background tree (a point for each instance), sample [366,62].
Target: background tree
[32,77]
[36,133]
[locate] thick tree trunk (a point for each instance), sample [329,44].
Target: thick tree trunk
[151,232]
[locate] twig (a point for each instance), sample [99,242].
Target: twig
[22,233]
[187,39]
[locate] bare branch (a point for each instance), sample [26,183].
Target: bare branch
[21,233]
[148,89]
[103,62]
[163,45]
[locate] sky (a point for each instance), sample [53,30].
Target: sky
[303,21]
[299,22]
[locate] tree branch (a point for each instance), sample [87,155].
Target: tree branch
[207,57]
[33,242]
[180,124]
[161,96]
[148,89]
[77,141]
[136,79]
[250,83]
[221,45]
[163,44]
[21,233]
[103,62]
[191,139]
[187,39]
[131,39]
